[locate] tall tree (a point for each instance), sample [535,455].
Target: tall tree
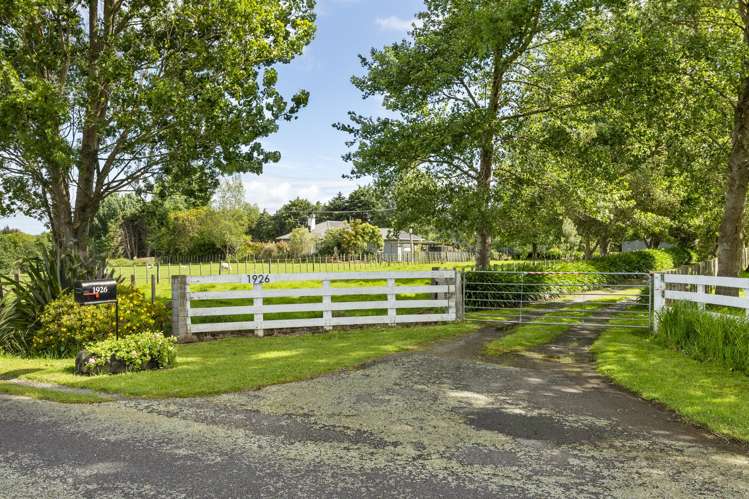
[99,96]
[456,87]
[293,214]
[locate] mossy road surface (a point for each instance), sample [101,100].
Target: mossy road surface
[431,423]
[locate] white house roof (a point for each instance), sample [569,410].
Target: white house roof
[387,234]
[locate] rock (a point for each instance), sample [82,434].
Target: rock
[114,366]
[80,361]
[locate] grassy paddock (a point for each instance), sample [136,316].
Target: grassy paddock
[246,363]
[705,393]
[163,289]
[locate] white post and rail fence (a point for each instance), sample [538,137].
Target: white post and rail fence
[699,289]
[321,301]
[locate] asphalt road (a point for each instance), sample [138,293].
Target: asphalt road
[441,423]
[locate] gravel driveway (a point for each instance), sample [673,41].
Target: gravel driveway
[435,423]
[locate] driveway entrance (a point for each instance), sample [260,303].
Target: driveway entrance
[443,422]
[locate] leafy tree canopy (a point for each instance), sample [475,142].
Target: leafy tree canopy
[98,96]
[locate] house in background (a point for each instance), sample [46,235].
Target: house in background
[398,247]
[317,230]
[637,245]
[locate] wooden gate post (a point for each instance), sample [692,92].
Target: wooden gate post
[392,310]
[659,297]
[257,303]
[458,296]
[327,313]
[180,309]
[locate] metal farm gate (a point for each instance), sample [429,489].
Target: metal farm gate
[590,299]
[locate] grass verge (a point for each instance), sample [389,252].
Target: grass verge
[49,394]
[237,364]
[701,392]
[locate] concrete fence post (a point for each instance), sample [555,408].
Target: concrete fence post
[180,309]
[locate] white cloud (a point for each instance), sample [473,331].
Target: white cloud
[394,23]
[271,192]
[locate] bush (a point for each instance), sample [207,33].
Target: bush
[502,289]
[146,350]
[66,326]
[705,336]
[46,276]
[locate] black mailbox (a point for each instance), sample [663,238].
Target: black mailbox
[96,292]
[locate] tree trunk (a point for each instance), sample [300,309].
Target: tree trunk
[71,225]
[486,167]
[730,239]
[653,242]
[589,248]
[603,245]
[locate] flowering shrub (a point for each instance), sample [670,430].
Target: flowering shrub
[65,326]
[147,350]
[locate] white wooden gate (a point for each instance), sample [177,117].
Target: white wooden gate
[331,297]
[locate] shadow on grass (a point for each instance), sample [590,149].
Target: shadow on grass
[17,373]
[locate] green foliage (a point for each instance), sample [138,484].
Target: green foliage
[292,215]
[457,90]
[13,338]
[361,237]
[14,246]
[172,92]
[265,228]
[203,231]
[366,203]
[46,277]
[66,326]
[705,336]
[302,242]
[357,238]
[501,289]
[136,351]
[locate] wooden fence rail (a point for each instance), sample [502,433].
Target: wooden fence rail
[698,289]
[442,302]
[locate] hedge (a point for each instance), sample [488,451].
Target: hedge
[533,282]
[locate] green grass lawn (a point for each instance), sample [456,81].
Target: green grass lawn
[163,288]
[702,392]
[532,335]
[236,364]
[48,394]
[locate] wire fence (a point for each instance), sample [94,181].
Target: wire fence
[142,271]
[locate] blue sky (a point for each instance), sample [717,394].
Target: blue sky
[311,166]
